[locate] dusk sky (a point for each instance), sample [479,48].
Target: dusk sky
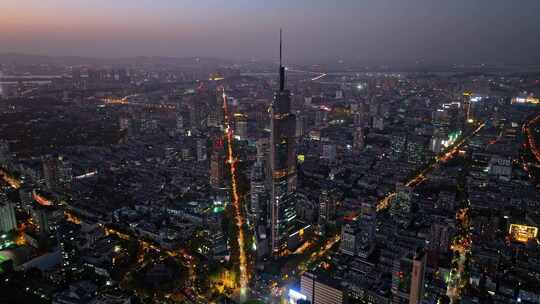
[370,31]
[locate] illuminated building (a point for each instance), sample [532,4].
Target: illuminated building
[366,237]
[202,153]
[8,222]
[296,297]
[416,150]
[300,125]
[5,155]
[349,235]
[258,194]
[320,289]
[378,123]
[217,168]
[327,205]
[67,235]
[398,146]
[241,129]
[500,167]
[408,276]
[400,205]
[523,233]
[525,100]
[418,276]
[56,172]
[329,152]
[180,123]
[215,115]
[282,167]
[439,236]
[358,139]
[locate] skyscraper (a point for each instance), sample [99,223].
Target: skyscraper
[217,165]
[258,193]
[418,275]
[56,172]
[282,166]
[7,214]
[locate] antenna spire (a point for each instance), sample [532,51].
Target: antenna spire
[280,45]
[281,68]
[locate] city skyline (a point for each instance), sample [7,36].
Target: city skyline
[381,32]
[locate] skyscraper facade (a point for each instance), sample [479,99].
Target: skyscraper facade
[7,214]
[282,166]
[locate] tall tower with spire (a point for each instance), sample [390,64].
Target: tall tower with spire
[282,165]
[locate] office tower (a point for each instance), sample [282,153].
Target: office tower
[327,205]
[436,144]
[5,155]
[198,115]
[320,289]
[68,235]
[300,123]
[123,124]
[378,123]
[202,153]
[398,146]
[257,190]
[366,237]
[439,236]
[401,204]
[408,278]
[262,149]
[373,108]
[217,168]
[358,139]
[418,275]
[416,147]
[241,130]
[348,238]
[180,123]
[329,151]
[215,112]
[282,166]
[8,221]
[56,172]
[321,117]
[40,215]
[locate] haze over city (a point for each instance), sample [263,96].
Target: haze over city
[269,152]
[366,31]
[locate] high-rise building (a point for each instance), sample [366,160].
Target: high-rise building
[8,221]
[398,146]
[329,151]
[320,289]
[217,168]
[202,153]
[300,123]
[401,204]
[282,167]
[439,236]
[358,139]
[327,205]
[408,278]
[349,235]
[418,275]
[5,156]
[416,150]
[180,123]
[258,195]
[366,238]
[215,113]
[57,172]
[241,130]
